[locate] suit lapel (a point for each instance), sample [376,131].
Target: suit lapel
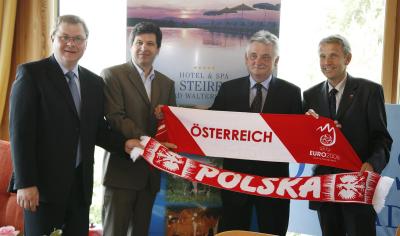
[85,87]
[57,78]
[244,94]
[155,91]
[347,97]
[271,94]
[137,82]
[323,103]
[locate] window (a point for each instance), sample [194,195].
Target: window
[305,23]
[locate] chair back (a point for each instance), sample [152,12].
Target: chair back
[242,233]
[10,212]
[5,165]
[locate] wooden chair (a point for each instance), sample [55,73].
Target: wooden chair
[398,230]
[242,233]
[10,212]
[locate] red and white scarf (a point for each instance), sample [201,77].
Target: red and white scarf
[369,188]
[263,137]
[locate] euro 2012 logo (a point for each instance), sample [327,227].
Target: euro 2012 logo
[328,137]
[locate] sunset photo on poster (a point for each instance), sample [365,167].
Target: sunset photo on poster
[204,42]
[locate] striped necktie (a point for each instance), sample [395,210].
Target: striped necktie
[74,90]
[257,102]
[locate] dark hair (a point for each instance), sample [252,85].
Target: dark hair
[70,19]
[146,28]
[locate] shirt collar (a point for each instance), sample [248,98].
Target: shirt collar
[265,83]
[339,87]
[141,72]
[65,70]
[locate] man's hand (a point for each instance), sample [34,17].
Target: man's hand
[28,198]
[132,143]
[312,113]
[158,112]
[337,124]
[365,167]
[170,146]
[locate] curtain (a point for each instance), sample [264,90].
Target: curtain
[391,52]
[8,9]
[28,35]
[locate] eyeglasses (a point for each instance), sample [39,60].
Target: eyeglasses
[65,39]
[264,57]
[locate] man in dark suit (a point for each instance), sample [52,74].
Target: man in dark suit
[133,90]
[357,106]
[258,92]
[56,118]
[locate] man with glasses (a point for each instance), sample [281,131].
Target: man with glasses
[56,118]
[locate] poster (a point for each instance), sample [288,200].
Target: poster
[389,218]
[203,42]
[203,45]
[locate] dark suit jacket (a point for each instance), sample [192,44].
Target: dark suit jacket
[130,111]
[45,129]
[362,115]
[282,98]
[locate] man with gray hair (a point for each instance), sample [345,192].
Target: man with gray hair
[357,107]
[263,92]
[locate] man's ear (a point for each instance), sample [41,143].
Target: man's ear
[276,61]
[347,59]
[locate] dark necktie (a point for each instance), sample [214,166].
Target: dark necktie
[332,103]
[74,90]
[77,101]
[257,102]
